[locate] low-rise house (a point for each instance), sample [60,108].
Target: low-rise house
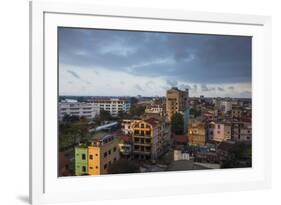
[125,146]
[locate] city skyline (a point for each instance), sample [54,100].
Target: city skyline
[125,63]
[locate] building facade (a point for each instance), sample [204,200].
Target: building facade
[102,153]
[177,102]
[113,105]
[150,137]
[81,160]
[96,158]
[218,135]
[80,109]
[196,132]
[154,109]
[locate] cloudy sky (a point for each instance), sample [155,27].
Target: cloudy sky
[126,63]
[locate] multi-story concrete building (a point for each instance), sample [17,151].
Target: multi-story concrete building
[177,102]
[80,109]
[113,105]
[236,112]
[226,106]
[150,137]
[154,109]
[219,131]
[218,134]
[101,154]
[196,132]
[242,131]
[227,131]
[91,109]
[127,126]
[81,160]
[95,159]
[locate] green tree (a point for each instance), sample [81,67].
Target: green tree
[239,155]
[137,110]
[71,133]
[103,116]
[177,122]
[123,166]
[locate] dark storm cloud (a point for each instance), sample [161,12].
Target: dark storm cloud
[186,57]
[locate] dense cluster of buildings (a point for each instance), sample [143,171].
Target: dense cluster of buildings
[211,126]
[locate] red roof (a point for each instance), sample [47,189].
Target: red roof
[152,121]
[126,138]
[180,138]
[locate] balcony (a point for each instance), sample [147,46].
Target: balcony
[142,152]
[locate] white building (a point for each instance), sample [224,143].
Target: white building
[226,106]
[80,109]
[154,109]
[114,106]
[179,155]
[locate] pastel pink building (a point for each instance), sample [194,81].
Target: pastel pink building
[218,132]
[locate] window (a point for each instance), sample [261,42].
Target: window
[114,149]
[91,156]
[105,154]
[91,167]
[97,155]
[97,167]
[114,159]
[109,152]
[83,156]
[105,166]
[84,169]
[142,133]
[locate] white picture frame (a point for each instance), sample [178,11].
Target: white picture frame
[46,187]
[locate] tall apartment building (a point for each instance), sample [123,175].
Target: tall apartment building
[80,109]
[96,158]
[150,138]
[196,132]
[113,105]
[177,101]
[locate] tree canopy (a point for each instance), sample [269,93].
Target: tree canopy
[123,166]
[177,122]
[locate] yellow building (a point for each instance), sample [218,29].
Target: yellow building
[176,101]
[196,132]
[150,138]
[101,154]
